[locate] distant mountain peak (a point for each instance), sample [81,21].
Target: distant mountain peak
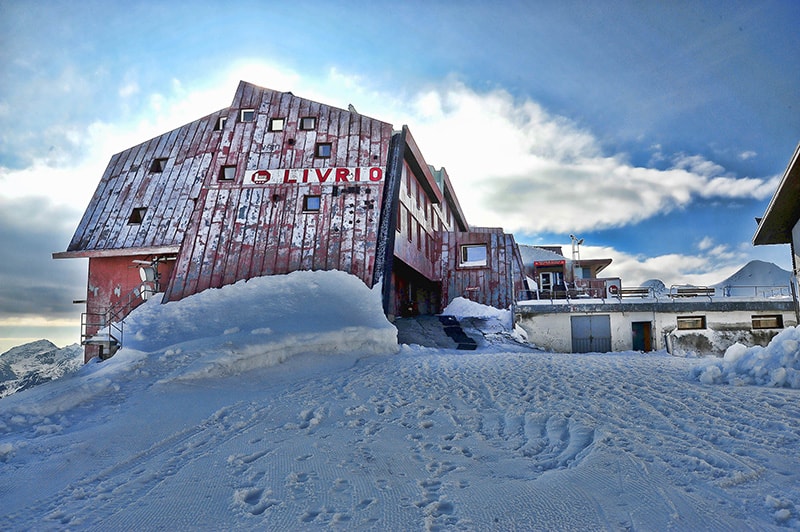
[31,348]
[758,273]
[36,362]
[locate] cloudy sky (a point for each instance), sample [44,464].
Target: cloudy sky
[655,131]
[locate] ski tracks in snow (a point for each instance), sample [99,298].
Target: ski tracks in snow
[435,441]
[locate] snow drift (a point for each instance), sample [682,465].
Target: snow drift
[265,321]
[776,365]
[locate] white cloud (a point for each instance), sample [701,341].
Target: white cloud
[705,243]
[517,166]
[702,269]
[513,164]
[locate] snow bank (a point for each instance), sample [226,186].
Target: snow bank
[263,322]
[226,331]
[464,308]
[776,365]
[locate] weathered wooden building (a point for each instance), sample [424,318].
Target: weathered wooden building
[277,183]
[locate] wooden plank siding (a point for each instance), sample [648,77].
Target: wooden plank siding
[496,283]
[250,231]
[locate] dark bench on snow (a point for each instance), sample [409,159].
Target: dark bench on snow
[691,291]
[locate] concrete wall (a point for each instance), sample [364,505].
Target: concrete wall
[549,326]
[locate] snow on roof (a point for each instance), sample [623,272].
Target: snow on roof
[531,254]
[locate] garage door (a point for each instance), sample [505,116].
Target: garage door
[591,334]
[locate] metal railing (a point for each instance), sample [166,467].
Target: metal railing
[106,328]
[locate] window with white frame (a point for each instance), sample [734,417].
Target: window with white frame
[220,125]
[247,115]
[308,122]
[473,255]
[227,173]
[277,124]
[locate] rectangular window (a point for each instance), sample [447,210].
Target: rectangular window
[227,173]
[691,322]
[311,203]
[137,215]
[399,219]
[322,149]
[308,122]
[473,255]
[220,125]
[774,321]
[276,124]
[247,115]
[158,165]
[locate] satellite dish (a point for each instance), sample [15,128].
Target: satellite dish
[147,274]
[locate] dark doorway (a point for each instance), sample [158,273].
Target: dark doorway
[642,336]
[413,294]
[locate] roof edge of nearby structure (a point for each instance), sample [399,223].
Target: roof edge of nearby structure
[783,211]
[117,252]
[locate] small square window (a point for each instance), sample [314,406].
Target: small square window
[247,115]
[322,149]
[691,322]
[158,165]
[308,122]
[227,173]
[137,215]
[768,322]
[473,255]
[220,125]
[311,203]
[276,124]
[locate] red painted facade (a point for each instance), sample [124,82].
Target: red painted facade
[276,183]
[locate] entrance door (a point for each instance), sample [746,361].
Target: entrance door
[591,334]
[642,338]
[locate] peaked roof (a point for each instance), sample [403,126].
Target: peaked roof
[148,192]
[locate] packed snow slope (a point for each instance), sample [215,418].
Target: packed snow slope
[284,404]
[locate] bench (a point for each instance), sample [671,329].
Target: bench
[638,291]
[691,291]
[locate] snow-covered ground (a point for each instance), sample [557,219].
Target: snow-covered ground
[284,403]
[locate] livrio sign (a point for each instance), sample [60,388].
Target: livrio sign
[369,174]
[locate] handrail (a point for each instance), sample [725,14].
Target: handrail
[114,318]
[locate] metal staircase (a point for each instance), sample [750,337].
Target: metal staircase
[105,329]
